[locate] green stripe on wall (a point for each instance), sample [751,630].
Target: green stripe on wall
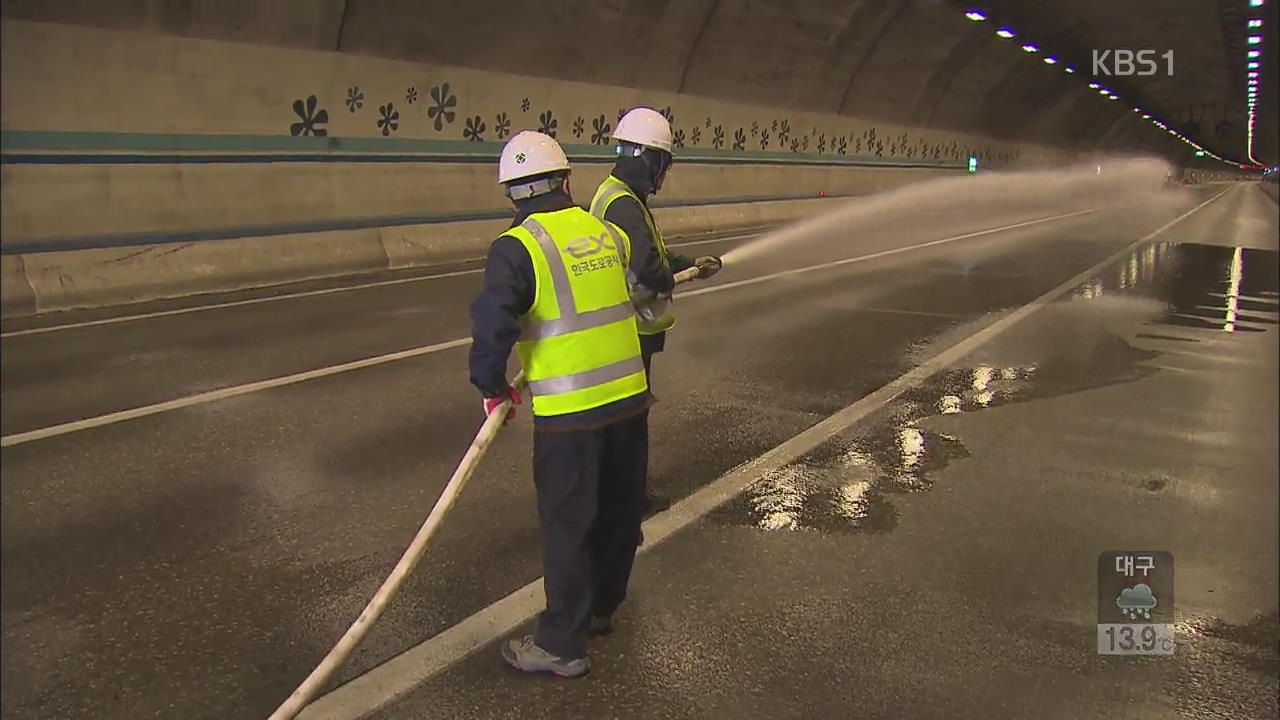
[29,141]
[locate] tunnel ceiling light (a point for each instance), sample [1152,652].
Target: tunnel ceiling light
[1253,64]
[1146,117]
[1113,97]
[1094,86]
[1005,33]
[1255,53]
[1253,73]
[1030,48]
[1051,60]
[1069,69]
[1255,3]
[975,15]
[1255,23]
[1254,39]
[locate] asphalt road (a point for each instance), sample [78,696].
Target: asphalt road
[195,559]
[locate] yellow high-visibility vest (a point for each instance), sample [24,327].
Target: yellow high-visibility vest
[578,342]
[658,314]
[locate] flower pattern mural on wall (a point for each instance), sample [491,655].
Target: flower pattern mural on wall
[388,119]
[311,118]
[355,98]
[442,108]
[547,123]
[795,134]
[474,129]
[601,128]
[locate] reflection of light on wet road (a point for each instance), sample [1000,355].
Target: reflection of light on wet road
[852,501]
[982,376]
[1233,289]
[779,499]
[1089,290]
[911,447]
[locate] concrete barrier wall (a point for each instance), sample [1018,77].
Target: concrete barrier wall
[39,282]
[49,204]
[165,160]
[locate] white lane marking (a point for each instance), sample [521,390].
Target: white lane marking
[301,294]
[236,303]
[222,394]
[373,690]
[214,395]
[897,311]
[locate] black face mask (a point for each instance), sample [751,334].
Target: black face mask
[659,162]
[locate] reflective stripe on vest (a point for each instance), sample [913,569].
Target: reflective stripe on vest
[570,319]
[599,376]
[578,342]
[656,315]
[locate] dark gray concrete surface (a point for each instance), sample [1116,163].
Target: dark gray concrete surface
[197,563]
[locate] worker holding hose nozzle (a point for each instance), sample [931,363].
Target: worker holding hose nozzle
[555,289]
[644,145]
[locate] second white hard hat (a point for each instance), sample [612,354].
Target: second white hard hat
[644,126]
[530,153]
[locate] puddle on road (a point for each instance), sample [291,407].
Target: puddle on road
[1209,287]
[846,485]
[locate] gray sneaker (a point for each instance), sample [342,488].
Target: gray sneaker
[525,655]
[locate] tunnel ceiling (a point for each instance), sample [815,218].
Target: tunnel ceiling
[914,62]
[1204,97]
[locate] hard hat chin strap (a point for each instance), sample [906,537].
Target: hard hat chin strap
[541,186]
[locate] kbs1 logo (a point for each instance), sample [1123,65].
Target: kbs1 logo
[1128,62]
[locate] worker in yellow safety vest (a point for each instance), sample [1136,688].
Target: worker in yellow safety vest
[644,155]
[555,289]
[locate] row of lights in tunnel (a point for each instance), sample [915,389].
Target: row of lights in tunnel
[1253,67]
[1254,55]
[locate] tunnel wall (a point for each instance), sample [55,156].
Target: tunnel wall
[332,162]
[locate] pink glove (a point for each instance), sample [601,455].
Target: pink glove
[491,403]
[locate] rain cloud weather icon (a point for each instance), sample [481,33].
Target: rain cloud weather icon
[1136,601]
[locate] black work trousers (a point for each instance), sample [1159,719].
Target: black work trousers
[590,503]
[649,346]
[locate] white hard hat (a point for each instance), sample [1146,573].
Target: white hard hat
[644,126]
[530,153]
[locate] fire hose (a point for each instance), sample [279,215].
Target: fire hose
[307,691]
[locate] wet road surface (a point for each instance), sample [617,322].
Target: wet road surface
[933,560]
